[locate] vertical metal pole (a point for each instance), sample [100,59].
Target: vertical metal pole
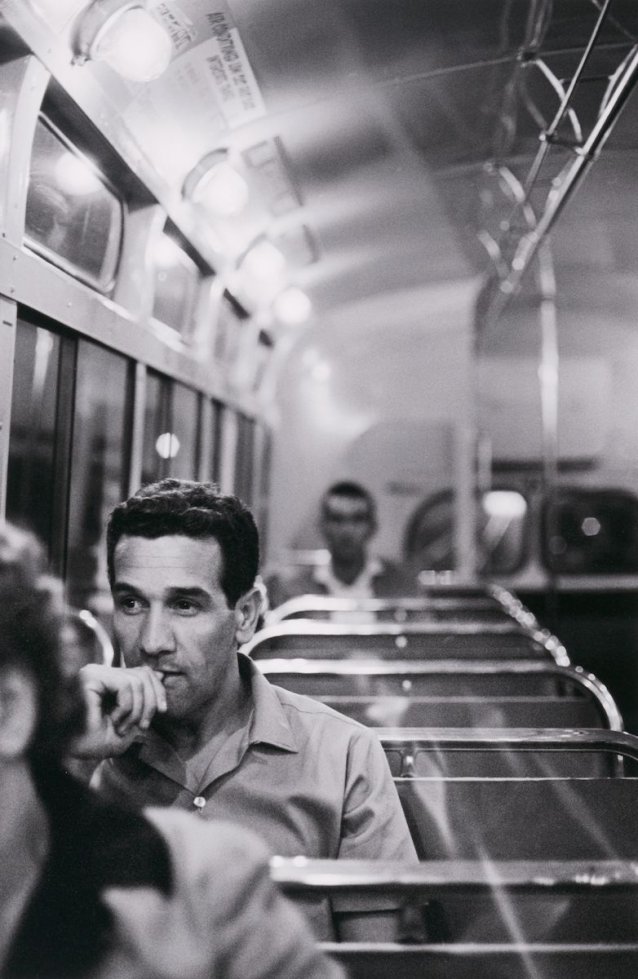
[137,437]
[548,377]
[206,438]
[548,366]
[8,319]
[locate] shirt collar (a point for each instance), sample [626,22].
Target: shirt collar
[269,724]
[324,575]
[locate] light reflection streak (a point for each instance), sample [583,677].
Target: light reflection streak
[430,807]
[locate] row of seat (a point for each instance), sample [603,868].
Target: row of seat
[510,753]
[409,640]
[491,603]
[479,693]
[513,920]
[526,834]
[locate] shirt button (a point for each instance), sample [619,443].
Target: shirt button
[199,801]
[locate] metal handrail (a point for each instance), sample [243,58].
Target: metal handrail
[457,668]
[312,627]
[499,739]
[309,627]
[101,636]
[328,603]
[301,875]
[375,667]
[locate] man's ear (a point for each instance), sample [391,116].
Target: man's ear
[247,611]
[18,713]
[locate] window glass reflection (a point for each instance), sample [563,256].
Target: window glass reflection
[184,428]
[244,459]
[591,532]
[98,470]
[429,533]
[72,217]
[502,531]
[30,500]
[157,440]
[176,278]
[227,332]
[218,429]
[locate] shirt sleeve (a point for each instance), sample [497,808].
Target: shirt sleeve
[373,824]
[258,933]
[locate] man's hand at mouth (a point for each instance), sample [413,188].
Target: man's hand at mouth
[120,705]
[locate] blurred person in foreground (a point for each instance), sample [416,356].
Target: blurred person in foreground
[347,522]
[91,890]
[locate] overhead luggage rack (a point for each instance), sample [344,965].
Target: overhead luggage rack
[529,203]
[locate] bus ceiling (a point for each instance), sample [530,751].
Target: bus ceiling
[320,156]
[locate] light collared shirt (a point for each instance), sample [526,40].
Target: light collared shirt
[361,587]
[308,780]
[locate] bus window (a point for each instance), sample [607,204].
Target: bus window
[171,430]
[261,480]
[591,531]
[72,218]
[244,458]
[227,332]
[99,467]
[185,431]
[502,532]
[218,428]
[503,526]
[158,439]
[176,278]
[30,499]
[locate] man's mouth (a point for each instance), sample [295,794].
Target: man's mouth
[167,675]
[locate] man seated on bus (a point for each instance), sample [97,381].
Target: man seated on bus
[347,522]
[190,723]
[89,889]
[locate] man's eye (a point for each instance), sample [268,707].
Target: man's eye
[129,605]
[185,606]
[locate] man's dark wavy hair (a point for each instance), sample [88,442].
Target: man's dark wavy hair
[30,629]
[191,509]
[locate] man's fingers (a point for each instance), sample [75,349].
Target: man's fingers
[127,712]
[129,697]
[138,700]
[154,698]
[93,703]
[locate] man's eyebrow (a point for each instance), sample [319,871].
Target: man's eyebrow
[187,592]
[178,591]
[123,586]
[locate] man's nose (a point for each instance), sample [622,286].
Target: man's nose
[156,636]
